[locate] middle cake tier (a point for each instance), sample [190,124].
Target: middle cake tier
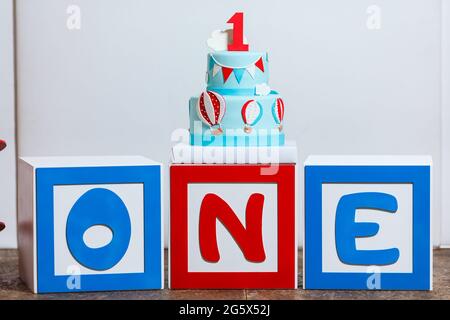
[247,121]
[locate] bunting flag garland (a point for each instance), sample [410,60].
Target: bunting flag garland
[238,72]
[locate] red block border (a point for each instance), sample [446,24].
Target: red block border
[180,176]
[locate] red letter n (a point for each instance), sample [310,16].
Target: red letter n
[249,238]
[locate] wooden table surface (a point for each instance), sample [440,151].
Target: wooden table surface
[11,287]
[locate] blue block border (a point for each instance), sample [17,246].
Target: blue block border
[418,176]
[149,176]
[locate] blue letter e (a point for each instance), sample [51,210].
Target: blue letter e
[347,230]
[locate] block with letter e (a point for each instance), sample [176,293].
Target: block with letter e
[367,223]
[233,226]
[90,223]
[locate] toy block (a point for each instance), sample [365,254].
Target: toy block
[90,223]
[367,223]
[233,226]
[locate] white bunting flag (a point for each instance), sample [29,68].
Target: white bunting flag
[216,69]
[251,70]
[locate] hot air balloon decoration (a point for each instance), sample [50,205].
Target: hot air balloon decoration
[251,114]
[278,112]
[211,109]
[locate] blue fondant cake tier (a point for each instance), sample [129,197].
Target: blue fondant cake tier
[262,130]
[238,107]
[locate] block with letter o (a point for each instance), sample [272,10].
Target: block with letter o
[233,226]
[90,224]
[367,223]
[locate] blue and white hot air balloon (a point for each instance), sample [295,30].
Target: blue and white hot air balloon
[278,112]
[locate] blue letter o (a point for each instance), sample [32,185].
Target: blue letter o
[98,207]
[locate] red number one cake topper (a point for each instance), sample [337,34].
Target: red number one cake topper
[238,33]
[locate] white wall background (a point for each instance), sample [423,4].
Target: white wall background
[445,225]
[7,127]
[121,84]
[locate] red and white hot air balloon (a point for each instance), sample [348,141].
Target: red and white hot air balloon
[211,109]
[278,112]
[251,113]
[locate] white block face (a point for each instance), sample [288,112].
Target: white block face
[395,229]
[231,256]
[132,196]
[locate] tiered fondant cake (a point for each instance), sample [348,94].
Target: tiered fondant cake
[238,107]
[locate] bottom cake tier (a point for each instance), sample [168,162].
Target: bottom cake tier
[247,121]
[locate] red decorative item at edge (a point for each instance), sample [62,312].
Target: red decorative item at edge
[2,145]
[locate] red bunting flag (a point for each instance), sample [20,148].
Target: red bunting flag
[260,64]
[226,73]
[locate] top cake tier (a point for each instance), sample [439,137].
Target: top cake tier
[237,72]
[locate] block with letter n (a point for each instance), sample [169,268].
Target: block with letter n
[367,223]
[233,226]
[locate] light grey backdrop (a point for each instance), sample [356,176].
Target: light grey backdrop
[7,127]
[445,124]
[121,84]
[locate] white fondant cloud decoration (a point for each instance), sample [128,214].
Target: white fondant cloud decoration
[220,39]
[262,89]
